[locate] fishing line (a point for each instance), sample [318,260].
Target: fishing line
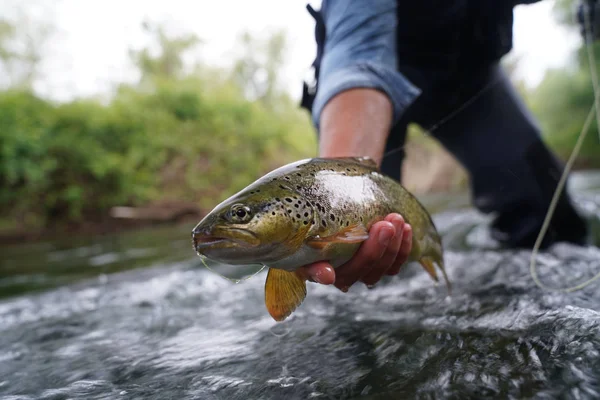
[451,114]
[202,258]
[594,110]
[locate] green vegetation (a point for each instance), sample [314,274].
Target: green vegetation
[173,136]
[194,133]
[563,99]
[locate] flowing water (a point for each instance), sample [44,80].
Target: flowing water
[137,316]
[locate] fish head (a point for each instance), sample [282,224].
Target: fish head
[257,225]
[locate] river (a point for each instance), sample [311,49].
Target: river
[137,316]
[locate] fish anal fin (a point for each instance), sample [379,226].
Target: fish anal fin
[284,292]
[349,234]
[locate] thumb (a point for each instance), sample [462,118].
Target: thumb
[320,272]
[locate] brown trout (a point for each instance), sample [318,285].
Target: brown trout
[307,211]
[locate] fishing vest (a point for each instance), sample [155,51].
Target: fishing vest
[439,35]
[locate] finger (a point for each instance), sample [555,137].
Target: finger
[404,251]
[390,254]
[367,255]
[320,272]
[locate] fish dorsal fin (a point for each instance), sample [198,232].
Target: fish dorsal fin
[284,292]
[366,161]
[349,234]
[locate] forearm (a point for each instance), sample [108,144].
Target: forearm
[356,122]
[360,90]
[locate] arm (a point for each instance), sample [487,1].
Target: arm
[360,95]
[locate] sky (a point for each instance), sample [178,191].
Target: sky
[88,53]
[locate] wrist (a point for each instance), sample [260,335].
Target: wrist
[356,123]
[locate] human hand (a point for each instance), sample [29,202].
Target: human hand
[383,253]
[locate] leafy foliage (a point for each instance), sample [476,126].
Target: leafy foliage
[564,97]
[174,136]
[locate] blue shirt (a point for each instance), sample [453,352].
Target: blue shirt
[360,52]
[360,43]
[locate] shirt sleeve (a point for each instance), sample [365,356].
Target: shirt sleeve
[360,52]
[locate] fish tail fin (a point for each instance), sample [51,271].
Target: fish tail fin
[284,292]
[427,264]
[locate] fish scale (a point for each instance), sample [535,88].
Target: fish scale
[308,211]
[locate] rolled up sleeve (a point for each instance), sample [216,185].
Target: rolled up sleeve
[360,52]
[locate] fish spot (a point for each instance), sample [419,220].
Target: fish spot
[298,173]
[347,223]
[296,205]
[332,217]
[277,199]
[273,213]
[289,211]
[305,222]
[323,222]
[298,187]
[298,216]
[287,178]
[306,214]
[293,219]
[288,199]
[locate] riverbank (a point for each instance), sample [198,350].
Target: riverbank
[120,219]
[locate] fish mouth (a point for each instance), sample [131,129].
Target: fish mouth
[223,238]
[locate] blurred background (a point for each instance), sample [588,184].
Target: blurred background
[169,107]
[123,122]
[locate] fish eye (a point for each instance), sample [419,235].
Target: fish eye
[240,213]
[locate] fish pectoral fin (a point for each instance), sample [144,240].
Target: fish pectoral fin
[349,234]
[284,292]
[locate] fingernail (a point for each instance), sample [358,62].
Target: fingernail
[385,236]
[398,220]
[318,277]
[399,223]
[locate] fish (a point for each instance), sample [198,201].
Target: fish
[317,209]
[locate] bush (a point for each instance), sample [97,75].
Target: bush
[185,140]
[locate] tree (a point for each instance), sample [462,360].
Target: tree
[257,69]
[169,62]
[564,97]
[21,42]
